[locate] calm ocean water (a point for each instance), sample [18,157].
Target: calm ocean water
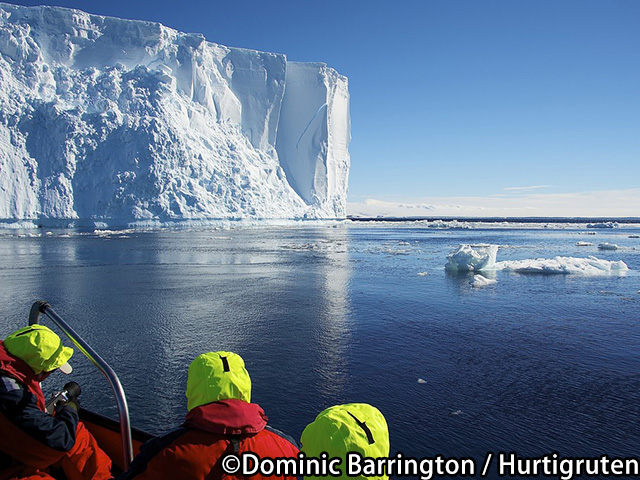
[333,314]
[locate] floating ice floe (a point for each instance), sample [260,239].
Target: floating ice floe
[109,233]
[608,246]
[482,257]
[393,251]
[472,258]
[423,274]
[481,281]
[603,225]
[584,244]
[565,265]
[422,380]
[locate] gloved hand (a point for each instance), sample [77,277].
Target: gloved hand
[71,403]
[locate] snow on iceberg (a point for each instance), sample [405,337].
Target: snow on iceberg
[565,265]
[472,258]
[116,121]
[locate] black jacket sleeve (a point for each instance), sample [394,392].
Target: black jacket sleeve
[20,406]
[150,449]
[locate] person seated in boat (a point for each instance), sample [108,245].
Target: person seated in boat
[32,440]
[220,420]
[341,429]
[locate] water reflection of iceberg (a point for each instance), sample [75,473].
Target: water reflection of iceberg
[334,333]
[154,301]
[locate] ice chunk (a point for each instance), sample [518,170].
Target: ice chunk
[472,258]
[565,265]
[608,246]
[423,274]
[603,225]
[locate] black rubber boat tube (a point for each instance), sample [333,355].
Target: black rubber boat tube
[121,401]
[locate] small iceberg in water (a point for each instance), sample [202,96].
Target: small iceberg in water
[608,246]
[472,258]
[603,225]
[483,258]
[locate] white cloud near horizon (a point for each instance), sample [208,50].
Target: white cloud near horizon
[524,189]
[603,203]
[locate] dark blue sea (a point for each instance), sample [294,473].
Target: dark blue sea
[328,314]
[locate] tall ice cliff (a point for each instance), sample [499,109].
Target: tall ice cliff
[104,120]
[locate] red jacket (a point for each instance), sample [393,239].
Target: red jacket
[194,451]
[31,440]
[29,435]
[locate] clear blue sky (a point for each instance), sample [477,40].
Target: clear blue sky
[454,97]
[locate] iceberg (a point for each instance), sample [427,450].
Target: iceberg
[314,109]
[482,257]
[608,246]
[472,258]
[105,121]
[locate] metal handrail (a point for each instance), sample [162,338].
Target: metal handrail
[123,410]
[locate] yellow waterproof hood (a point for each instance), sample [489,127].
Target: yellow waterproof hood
[354,427]
[216,376]
[39,347]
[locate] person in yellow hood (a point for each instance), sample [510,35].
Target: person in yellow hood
[350,428]
[32,440]
[220,420]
